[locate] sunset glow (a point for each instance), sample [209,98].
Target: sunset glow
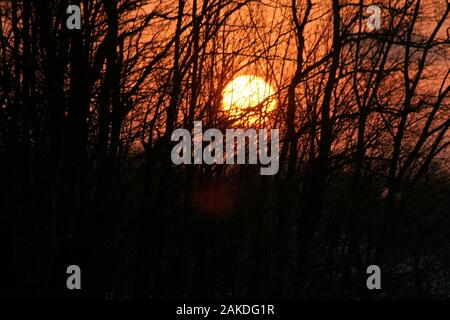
[248,98]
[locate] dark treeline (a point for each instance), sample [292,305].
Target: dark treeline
[86,118]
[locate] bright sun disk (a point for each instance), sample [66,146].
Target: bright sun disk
[248,97]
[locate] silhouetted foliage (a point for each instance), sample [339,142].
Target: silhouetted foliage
[86,118]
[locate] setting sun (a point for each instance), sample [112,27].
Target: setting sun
[248,98]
